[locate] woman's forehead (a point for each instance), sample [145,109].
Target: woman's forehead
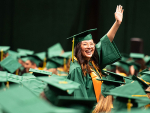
[87,41]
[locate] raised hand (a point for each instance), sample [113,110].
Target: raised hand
[119,14]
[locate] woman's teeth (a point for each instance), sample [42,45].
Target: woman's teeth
[88,51]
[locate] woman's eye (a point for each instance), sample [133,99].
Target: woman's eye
[92,43]
[84,44]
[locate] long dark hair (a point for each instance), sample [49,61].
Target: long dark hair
[84,63]
[141,62]
[104,105]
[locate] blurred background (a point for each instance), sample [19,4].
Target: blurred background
[39,24]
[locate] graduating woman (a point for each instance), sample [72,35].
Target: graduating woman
[89,58]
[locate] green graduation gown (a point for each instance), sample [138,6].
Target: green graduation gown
[108,54]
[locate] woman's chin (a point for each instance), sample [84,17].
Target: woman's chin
[88,56]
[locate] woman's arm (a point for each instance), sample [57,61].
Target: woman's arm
[118,16]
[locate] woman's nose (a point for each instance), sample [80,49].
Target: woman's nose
[89,46]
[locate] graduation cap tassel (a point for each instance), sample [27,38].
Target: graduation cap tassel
[73,50]
[129,105]
[7,84]
[1,54]
[44,63]
[65,67]
[17,72]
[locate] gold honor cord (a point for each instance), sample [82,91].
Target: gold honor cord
[1,54]
[93,69]
[96,83]
[73,50]
[97,69]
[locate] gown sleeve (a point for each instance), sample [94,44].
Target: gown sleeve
[107,51]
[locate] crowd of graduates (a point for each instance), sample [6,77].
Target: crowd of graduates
[37,82]
[93,78]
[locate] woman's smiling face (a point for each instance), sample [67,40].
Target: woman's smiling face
[87,48]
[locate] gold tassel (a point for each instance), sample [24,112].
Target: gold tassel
[73,50]
[65,67]
[1,54]
[17,72]
[7,84]
[129,105]
[44,63]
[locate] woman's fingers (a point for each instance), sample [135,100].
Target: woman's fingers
[122,11]
[119,8]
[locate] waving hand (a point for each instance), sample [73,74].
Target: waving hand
[119,14]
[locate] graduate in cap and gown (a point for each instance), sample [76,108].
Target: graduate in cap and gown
[58,61]
[88,58]
[139,58]
[60,64]
[22,53]
[3,53]
[22,56]
[35,61]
